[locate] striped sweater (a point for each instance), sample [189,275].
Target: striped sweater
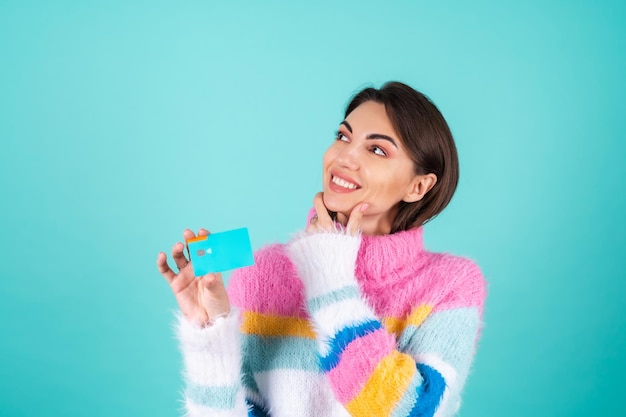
[338,325]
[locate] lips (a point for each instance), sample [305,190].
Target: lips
[342,183]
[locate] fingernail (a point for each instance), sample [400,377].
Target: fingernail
[364,207]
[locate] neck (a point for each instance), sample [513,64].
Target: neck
[375,227]
[378,224]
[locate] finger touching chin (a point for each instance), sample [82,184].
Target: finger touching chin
[338,204]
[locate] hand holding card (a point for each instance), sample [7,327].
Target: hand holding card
[199,288]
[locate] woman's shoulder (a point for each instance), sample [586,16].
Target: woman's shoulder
[459,279]
[446,263]
[270,285]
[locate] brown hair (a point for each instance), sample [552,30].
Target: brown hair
[428,142]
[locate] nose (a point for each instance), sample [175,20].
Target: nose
[348,157]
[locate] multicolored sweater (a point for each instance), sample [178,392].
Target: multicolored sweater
[338,325]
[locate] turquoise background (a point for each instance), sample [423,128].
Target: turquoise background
[122,123]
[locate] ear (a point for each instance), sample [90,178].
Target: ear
[420,185]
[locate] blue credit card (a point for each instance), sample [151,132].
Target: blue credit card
[221,251]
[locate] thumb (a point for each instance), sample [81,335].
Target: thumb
[211,286]
[211,280]
[214,296]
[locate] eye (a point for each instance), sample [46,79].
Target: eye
[378,151]
[342,137]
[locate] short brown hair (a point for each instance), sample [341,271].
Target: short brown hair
[428,141]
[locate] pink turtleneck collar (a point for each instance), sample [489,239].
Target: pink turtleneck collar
[383,258]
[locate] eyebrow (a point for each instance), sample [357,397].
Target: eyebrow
[372,135]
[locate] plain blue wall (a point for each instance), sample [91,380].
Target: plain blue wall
[122,123]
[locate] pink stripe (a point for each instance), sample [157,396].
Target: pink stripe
[358,362]
[270,286]
[470,291]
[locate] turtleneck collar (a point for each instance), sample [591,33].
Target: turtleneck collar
[382,258]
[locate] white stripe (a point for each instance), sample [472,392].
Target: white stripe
[295,393]
[337,316]
[212,355]
[210,369]
[220,337]
[325,282]
[325,261]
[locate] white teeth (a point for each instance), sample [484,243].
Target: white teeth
[344,184]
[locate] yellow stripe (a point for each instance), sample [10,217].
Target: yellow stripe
[385,387]
[416,318]
[270,325]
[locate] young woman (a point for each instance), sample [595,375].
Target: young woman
[352,317]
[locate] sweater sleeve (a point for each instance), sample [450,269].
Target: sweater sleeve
[370,371]
[212,366]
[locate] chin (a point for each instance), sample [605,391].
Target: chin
[338,204]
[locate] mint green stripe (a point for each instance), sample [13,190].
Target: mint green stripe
[345,293]
[222,398]
[450,333]
[406,403]
[262,354]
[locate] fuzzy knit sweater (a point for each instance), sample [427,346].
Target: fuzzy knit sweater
[337,325]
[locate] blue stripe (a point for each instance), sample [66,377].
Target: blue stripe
[429,393]
[262,354]
[222,398]
[345,293]
[342,339]
[255,410]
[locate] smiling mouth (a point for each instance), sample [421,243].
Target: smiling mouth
[343,183]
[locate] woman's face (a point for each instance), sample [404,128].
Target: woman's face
[367,163]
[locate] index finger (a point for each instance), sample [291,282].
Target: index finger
[356,216]
[164,268]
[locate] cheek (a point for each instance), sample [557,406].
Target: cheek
[325,159]
[329,157]
[387,191]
